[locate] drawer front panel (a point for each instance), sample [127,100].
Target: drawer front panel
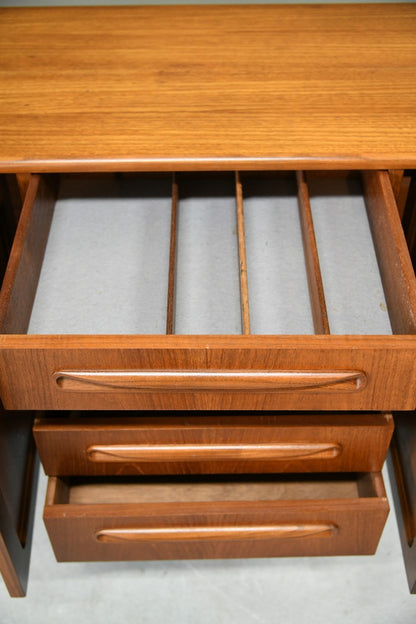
[30,367]
[213,444]
[235,526]
[210,371]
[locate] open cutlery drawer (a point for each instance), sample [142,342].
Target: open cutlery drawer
[100,519]
[222,443]
[228,291]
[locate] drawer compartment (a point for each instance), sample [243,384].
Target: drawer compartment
[255,292]
[201,444]
[119,519]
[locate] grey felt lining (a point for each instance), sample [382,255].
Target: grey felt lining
[106,264]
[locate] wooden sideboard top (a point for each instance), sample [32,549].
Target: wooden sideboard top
[207,87]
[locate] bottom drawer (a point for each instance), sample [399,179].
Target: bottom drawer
[184,518]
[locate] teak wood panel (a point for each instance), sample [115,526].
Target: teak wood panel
[18,485]
[402,458]
[18,460]
[208,372]
[218,520]
[99,88]
[402,470]
[30,363]
[198,444]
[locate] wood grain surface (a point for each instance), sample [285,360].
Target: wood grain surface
[208,87]
[18,459]
[215,520]
[29,363]
[402,471]
[313,269]
[81,444]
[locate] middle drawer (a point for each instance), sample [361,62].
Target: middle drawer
[199,443]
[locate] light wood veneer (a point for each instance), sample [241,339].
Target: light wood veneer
[208,87]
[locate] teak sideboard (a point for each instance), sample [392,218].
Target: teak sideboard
[240,397]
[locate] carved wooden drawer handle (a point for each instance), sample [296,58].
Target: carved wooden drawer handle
[268,531]
[206,380]
[113,453]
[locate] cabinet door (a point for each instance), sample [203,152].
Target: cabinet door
[402,460]
[402,469]
[18,476]
[18,461]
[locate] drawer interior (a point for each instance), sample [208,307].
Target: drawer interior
[104,520]
[215,253]
[89,491]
